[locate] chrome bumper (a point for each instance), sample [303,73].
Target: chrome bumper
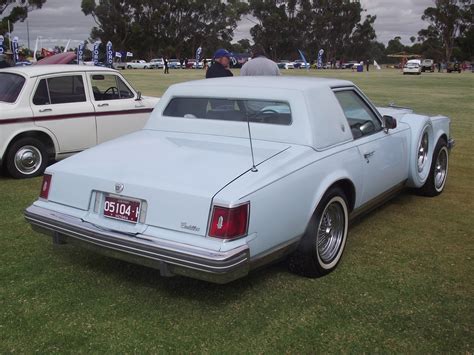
[169,257]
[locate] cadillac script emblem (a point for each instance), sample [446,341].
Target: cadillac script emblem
[118,188]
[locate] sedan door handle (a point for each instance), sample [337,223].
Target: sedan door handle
[46,110]
[369,154]
[102,105]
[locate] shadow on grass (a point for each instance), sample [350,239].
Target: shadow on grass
[177,286]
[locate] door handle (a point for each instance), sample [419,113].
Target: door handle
[46,110]
[102,105]
[369,154]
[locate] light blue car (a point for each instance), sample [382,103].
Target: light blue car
[230,174]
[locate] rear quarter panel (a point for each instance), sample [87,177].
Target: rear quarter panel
[286,190]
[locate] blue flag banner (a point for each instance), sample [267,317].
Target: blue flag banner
[95,53]
[80,53]
[16,56]
[110,54]
[303,59]
[1,44]
[320,58]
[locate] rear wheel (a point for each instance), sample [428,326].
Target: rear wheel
[322,245]
[436,181]
[27,157]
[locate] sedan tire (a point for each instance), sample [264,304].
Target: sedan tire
[322,245]
[26,158]
[436,181]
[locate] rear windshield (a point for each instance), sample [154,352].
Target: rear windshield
[261,111]
[10,86]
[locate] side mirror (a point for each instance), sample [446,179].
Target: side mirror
[389,123]
[139,96]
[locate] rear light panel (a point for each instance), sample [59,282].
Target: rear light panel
[229,222]
[45,186]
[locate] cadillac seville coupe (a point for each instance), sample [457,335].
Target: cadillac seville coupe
[49,112]
[232,173]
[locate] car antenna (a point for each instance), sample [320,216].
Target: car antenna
[254,168]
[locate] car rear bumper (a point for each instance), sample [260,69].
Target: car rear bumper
[169,257]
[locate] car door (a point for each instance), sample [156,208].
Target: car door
[117,110]
[384,154]
[61,104]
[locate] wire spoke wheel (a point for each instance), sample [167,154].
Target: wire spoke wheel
[441,169]
[331,232]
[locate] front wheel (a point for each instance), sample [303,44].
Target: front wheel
[322,245]
[27,157]
[436,181]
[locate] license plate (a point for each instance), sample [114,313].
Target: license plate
[122,209]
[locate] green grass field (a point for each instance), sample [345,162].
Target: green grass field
[405,284]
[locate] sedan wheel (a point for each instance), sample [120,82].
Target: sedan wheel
[436,181]
[322,245]
[26,158]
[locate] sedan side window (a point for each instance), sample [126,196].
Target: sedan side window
[60,90]
[360,117]
[109,87]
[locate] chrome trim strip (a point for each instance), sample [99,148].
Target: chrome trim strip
[169,257]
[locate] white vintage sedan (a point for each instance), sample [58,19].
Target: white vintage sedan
[230,174]
[52,111]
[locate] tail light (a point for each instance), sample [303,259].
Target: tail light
[45,186]
[229,223]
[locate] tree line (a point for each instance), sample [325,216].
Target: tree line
[176,28]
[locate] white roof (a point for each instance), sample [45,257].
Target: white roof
[317,117]
[298,83]
[36,70]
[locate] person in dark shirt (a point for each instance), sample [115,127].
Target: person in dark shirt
[220,65]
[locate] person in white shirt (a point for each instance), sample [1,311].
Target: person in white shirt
[259,64]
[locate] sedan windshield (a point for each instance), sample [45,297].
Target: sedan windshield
[10,86]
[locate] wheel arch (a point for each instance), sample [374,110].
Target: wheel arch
[45,137]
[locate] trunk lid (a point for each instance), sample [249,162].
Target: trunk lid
[175,174]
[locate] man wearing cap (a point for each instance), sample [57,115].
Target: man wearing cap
[220,65]
[259,64]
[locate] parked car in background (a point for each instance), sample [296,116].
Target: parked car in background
[174,64]
[119,65]
[427,65]
[349,65]
[188,195]
[285,64]
[157,63]
[50,112]
[413,66]
[138,64]
[453,67]
[193,64]
[300,64]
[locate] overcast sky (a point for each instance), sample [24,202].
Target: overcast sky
[63,19]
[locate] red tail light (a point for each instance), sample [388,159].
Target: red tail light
[45,186]
[229,223]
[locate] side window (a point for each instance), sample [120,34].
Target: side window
[109,87]
[125,92]
[360,117]
[60,90]
[41,95]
